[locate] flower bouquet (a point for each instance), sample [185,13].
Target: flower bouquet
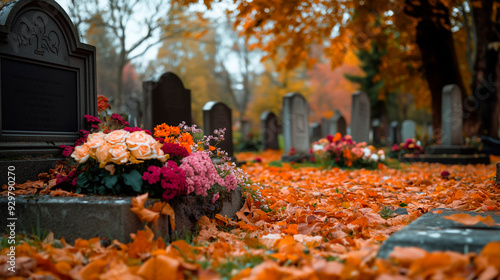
[409,148]
[115,159]
[338,151]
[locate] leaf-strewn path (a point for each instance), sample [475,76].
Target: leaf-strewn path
[298,223]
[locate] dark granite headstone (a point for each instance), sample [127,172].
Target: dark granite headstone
[217,115]
[360,117]
[47,85]
[338,124]
[315,132]
[166,101]
[433,232]
[394,133]
[376,132]
[270,130]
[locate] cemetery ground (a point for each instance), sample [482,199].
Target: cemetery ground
[299,221]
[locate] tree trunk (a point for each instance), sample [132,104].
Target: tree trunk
[483,105]
[436,45]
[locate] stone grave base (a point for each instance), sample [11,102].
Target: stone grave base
[296,158]
[449,159]
[26,169]
[110,217]
[433,232]
[451,150]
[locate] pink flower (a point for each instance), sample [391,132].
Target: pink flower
[68,150]
[329,138]
[395,147]
[445,174]
[200,172]
[215,198]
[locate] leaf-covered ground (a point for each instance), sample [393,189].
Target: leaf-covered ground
[297,223]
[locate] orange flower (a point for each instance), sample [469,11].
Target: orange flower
[186,141]
[211,148]
[164,130]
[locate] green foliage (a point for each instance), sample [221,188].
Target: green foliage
[126,180]
[386,212]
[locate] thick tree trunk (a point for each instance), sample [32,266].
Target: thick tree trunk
[483,105]
[436,45]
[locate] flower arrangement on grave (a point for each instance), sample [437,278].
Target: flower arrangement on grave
[116,159]
[342,151]
[408,148]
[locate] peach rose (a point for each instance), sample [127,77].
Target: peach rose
[119,153]
[117,136]
[103,154]
[81,153]
[95,140]
[140,145]
[160,155]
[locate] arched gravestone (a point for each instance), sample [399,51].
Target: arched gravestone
[296,123]
[408,130]
[217,115]
[338,124]
[166,101]
[270,130]
[451,116]
[360,117]
[47,85]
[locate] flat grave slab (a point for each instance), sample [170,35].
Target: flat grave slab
[110,217]
[449,159]
[433,232]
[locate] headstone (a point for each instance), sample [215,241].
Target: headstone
[338,124]
[498,173]
[47,85]
[408,129]
[433,232]
[451,116]
[430,132]
[360,117]
[166,101]
[217,115]
[296,123]
[315,132]
[270,130]
[376,131]
[325,127]
[246,128]
[394,133]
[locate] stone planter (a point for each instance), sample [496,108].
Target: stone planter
[110,217]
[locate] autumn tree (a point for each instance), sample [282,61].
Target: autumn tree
[122,18]
[419,32]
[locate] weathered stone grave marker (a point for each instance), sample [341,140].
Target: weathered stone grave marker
[433,232]
[47,86]
[408,129]
[270,130]
[315,131]
[295,126]
[166,101]
[360,117]
[217,115]
[451,116]
[376,132]
[338,124]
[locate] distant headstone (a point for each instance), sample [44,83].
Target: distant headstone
[47,85]
[430,132]
[217,115]
[296,123]
[325,127]
[394,133]
[360,117]
[408,129]
[376,131]
[338,124]
[166,101]
[246,128]
[270,130]
[315,132]
[451,116]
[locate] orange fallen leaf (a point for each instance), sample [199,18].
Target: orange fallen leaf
[159,268]
[470,220]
